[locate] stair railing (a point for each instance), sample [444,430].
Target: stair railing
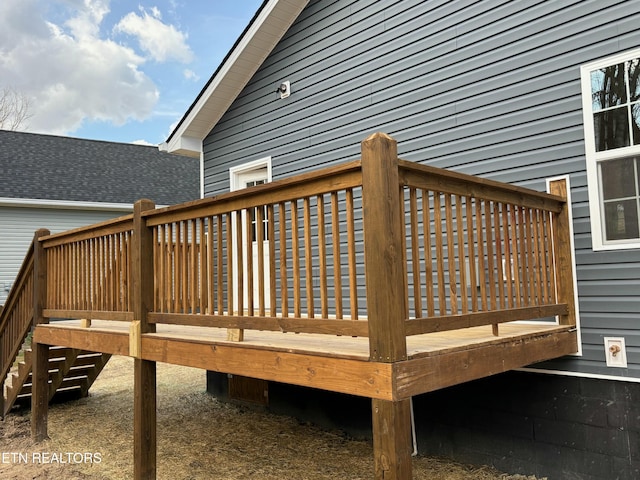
[17,316]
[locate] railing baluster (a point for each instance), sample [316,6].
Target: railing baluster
[507,254]
[437,216]
[244,258]
[230,292]
[490,261]
[544,248]
[193,266]
[451,255]
[220,263]
[184,254]
[464,294]
[322,258]
[260,249]
[210,270]
[160,268]
[499,255]
[523,256]
[351,247]
[271,237]
[200,267]
[415,252]
[308,258]
[535,239]
[284,279]
[249,261]
[514,249]
[530,263]
[337,262]
[553,292]
[296,259]
[428,258]
[481,257]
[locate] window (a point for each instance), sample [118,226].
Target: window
[254,213]
[611,108]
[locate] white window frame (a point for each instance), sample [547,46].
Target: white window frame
[593,158]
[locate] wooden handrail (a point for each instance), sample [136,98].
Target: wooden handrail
[25,269]
[309,184]
[446,181]
[96,230]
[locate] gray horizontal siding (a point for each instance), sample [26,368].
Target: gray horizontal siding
[488,88]
[18,225]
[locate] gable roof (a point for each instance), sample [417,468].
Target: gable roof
[62,169]
[270,23]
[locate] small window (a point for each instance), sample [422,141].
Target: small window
[611,107]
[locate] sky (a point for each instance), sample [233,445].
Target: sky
[114,70]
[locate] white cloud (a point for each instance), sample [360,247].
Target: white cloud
[163,42]
[144,142]
[68,71]
[191,75]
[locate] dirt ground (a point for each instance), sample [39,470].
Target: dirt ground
[198,438]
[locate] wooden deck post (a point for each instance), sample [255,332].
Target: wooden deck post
[142,295]
[384,244]
[40,352]
[39,391]
[563,254]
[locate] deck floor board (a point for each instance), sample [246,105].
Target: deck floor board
[418,346]
[340,364]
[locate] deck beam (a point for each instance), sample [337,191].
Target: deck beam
[324,371]
[448,368]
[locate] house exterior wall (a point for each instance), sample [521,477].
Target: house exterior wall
[486,88]
[18,225]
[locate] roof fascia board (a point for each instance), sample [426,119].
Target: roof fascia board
[63,204]
[273,20]
[183,145]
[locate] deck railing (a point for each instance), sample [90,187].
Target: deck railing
[280,256]
[89,271]
[17,315]
[22,310]
[478,252]
[377,247]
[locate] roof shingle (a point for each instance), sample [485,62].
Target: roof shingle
[49,167]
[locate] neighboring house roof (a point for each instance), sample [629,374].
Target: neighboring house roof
[62,170]
[265,30]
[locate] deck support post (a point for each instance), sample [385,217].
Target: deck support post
[39,392]
[392,439]
[144,420]
[563,254]
[385,274]
[142,296]
[40,352]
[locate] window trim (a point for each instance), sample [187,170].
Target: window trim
[236,172]
[592,157]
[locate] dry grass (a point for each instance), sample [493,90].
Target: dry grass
[198,438]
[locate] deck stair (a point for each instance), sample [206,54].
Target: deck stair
[71,374]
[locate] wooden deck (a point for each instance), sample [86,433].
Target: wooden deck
[379,278]
[341,364]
